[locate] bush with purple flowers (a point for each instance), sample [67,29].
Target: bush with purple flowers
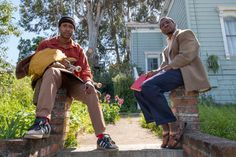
[111,108]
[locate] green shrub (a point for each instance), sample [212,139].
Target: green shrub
[16,109]
[17,112]
[122,85]
[16,125]
[157,130]
[110,112]
[107,85]
[80,121]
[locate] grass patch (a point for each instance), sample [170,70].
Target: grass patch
[215,119]
[218,120]
[80,121]
[157,130]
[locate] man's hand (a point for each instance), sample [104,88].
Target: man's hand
[151,73]
[166,67]
[57,65]
[154,72]
[88,87]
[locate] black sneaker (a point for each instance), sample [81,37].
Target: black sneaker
[106,143]
[40,129]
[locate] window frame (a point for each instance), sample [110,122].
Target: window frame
[226,11]
[152,55]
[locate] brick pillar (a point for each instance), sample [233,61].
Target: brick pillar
[184,106]
[61,115]
[47,147]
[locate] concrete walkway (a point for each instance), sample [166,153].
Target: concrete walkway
[127,131]
[132,139]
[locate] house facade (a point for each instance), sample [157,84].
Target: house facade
[213,22]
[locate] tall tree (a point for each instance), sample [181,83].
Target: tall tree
[27,46]
[113,32]
[38,15]
[7,28]
[90,15]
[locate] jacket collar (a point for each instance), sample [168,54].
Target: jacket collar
[55,41]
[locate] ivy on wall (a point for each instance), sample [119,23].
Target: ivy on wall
[213,64]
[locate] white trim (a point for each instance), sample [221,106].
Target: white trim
[225,11]
[151,54]
[226,8]
[131,47]
[170,7]
[165,8]
[146,30]
[227,54]
[187,14]
[141,25]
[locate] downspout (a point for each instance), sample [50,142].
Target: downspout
[187,14]
[195,15]
[197,31]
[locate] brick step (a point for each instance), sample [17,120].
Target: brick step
[148,150]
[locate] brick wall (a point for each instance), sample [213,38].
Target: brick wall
[184,106]
[44,147]
[195,143]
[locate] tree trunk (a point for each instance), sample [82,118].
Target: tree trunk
[117,50]
[94,22]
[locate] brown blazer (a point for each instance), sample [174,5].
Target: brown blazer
[184,53]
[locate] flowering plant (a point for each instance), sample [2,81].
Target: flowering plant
[119,101]
[111,110]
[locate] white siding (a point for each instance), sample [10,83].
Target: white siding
[205,22]
[178,13]
[144,42]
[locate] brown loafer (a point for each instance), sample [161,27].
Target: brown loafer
[165,140]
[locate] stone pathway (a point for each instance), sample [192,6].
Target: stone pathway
[127,131]
[132,139]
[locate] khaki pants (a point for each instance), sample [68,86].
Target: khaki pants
[52,80]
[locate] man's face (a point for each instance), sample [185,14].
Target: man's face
[167,26]
[66,30]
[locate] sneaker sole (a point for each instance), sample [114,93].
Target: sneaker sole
[36,136]
[112,149]
[33,136]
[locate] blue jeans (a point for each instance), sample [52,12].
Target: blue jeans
[152,100]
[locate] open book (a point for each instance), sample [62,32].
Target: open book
[138,83]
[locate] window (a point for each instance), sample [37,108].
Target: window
[152,60]
[230,33]
[228,26]
[152,63]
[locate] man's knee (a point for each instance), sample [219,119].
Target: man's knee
[149,89]
[92,94]
[52,72]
